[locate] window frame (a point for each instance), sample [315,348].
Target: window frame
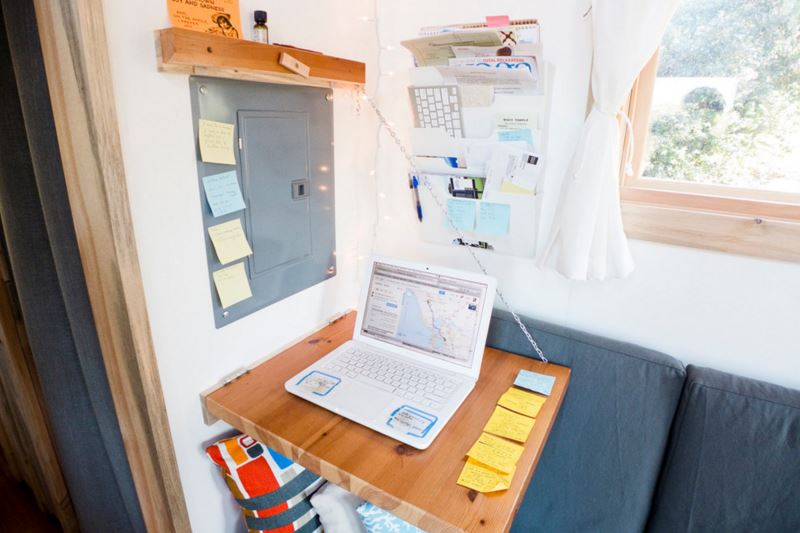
[715,217]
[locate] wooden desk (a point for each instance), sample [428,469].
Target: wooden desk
[419,486]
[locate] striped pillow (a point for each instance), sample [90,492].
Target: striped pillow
[273,491]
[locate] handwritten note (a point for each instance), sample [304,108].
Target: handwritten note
[232,285]
[505,423]
[495,452]
[462,213]
[223,193]
[525,135]
[478,476]
[493,218]
[534,381]
[522,402]
[229,241]
[216,142]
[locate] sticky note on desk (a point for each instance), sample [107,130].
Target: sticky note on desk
[232,285]
[462,213]
[495,452]
[216,142]
[493,218]
[508,424]
[535,381]
[522,402]
[229,241]
[478,476]
[223,193]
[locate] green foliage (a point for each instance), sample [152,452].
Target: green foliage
[758,43]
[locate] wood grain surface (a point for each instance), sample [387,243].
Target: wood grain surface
[192,52]
[419,486]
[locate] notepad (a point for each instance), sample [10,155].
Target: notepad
[495,452]
[478,476]
[216,142]
[508,424]
[223,193]
[535,381]
[522,402]
[229,241]
[232,285]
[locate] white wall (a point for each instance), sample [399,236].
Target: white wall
[159,157]
[732,313]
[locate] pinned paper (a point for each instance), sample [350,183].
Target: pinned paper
[216,142]
[505,423]
[232,285]
[462,213]
[493,218]
[223,193]
[522,402]
[229,241]
[497,453]
[479,477]
[535,381]
[497,21]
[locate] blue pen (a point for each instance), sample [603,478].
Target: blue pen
[415,185]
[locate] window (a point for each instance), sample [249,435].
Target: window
[716,117]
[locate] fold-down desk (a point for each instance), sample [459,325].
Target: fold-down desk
[419,486]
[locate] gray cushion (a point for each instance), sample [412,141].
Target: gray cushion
[599,469]
[733,462]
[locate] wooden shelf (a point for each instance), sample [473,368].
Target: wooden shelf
[192,52]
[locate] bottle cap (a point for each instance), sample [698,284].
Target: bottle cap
[260,16]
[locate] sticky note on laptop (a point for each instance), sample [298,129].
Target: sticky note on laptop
[508,424]
[535,381]
[496,453]
[229,241]
[522,402]
[478,476]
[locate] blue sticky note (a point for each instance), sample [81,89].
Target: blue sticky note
[535,381]
[516,135]
[493,218]
[223,193]
[462,213]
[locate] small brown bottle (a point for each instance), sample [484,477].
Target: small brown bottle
[260,29]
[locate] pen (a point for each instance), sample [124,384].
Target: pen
[415,186]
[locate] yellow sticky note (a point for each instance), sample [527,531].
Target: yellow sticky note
[508,424]
[478,476]
[495,452]
[232,285]
[216,142]
[229,241]
[522,402]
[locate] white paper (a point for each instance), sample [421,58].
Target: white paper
[513,166]
[504,81]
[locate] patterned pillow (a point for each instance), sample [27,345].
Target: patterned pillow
[273,491]
[376,520]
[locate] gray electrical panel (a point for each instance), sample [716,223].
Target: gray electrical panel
[283,139]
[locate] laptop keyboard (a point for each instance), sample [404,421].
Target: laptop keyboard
[402,379]
[437,107]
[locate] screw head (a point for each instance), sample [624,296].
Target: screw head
[203,89]
[329,97]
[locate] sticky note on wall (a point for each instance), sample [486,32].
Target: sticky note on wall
[232,285]
[223,193]
[493,218]
[462,213]
[216,142]
[229,241]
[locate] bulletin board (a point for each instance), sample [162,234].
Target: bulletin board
[274,146]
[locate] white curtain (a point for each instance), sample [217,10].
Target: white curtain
[587,240]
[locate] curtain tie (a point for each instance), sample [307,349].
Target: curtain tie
[629,140]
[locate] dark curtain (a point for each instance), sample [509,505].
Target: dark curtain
[46,266]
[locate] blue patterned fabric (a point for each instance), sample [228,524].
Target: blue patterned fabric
[376,520]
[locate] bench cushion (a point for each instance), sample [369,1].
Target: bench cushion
[733,463]
[600,466]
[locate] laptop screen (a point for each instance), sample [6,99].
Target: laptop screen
[429,313]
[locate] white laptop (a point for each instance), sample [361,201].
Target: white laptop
[415,355]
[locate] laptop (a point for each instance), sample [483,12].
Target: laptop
[415,355]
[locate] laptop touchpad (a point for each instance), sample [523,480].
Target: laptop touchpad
[367,403]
